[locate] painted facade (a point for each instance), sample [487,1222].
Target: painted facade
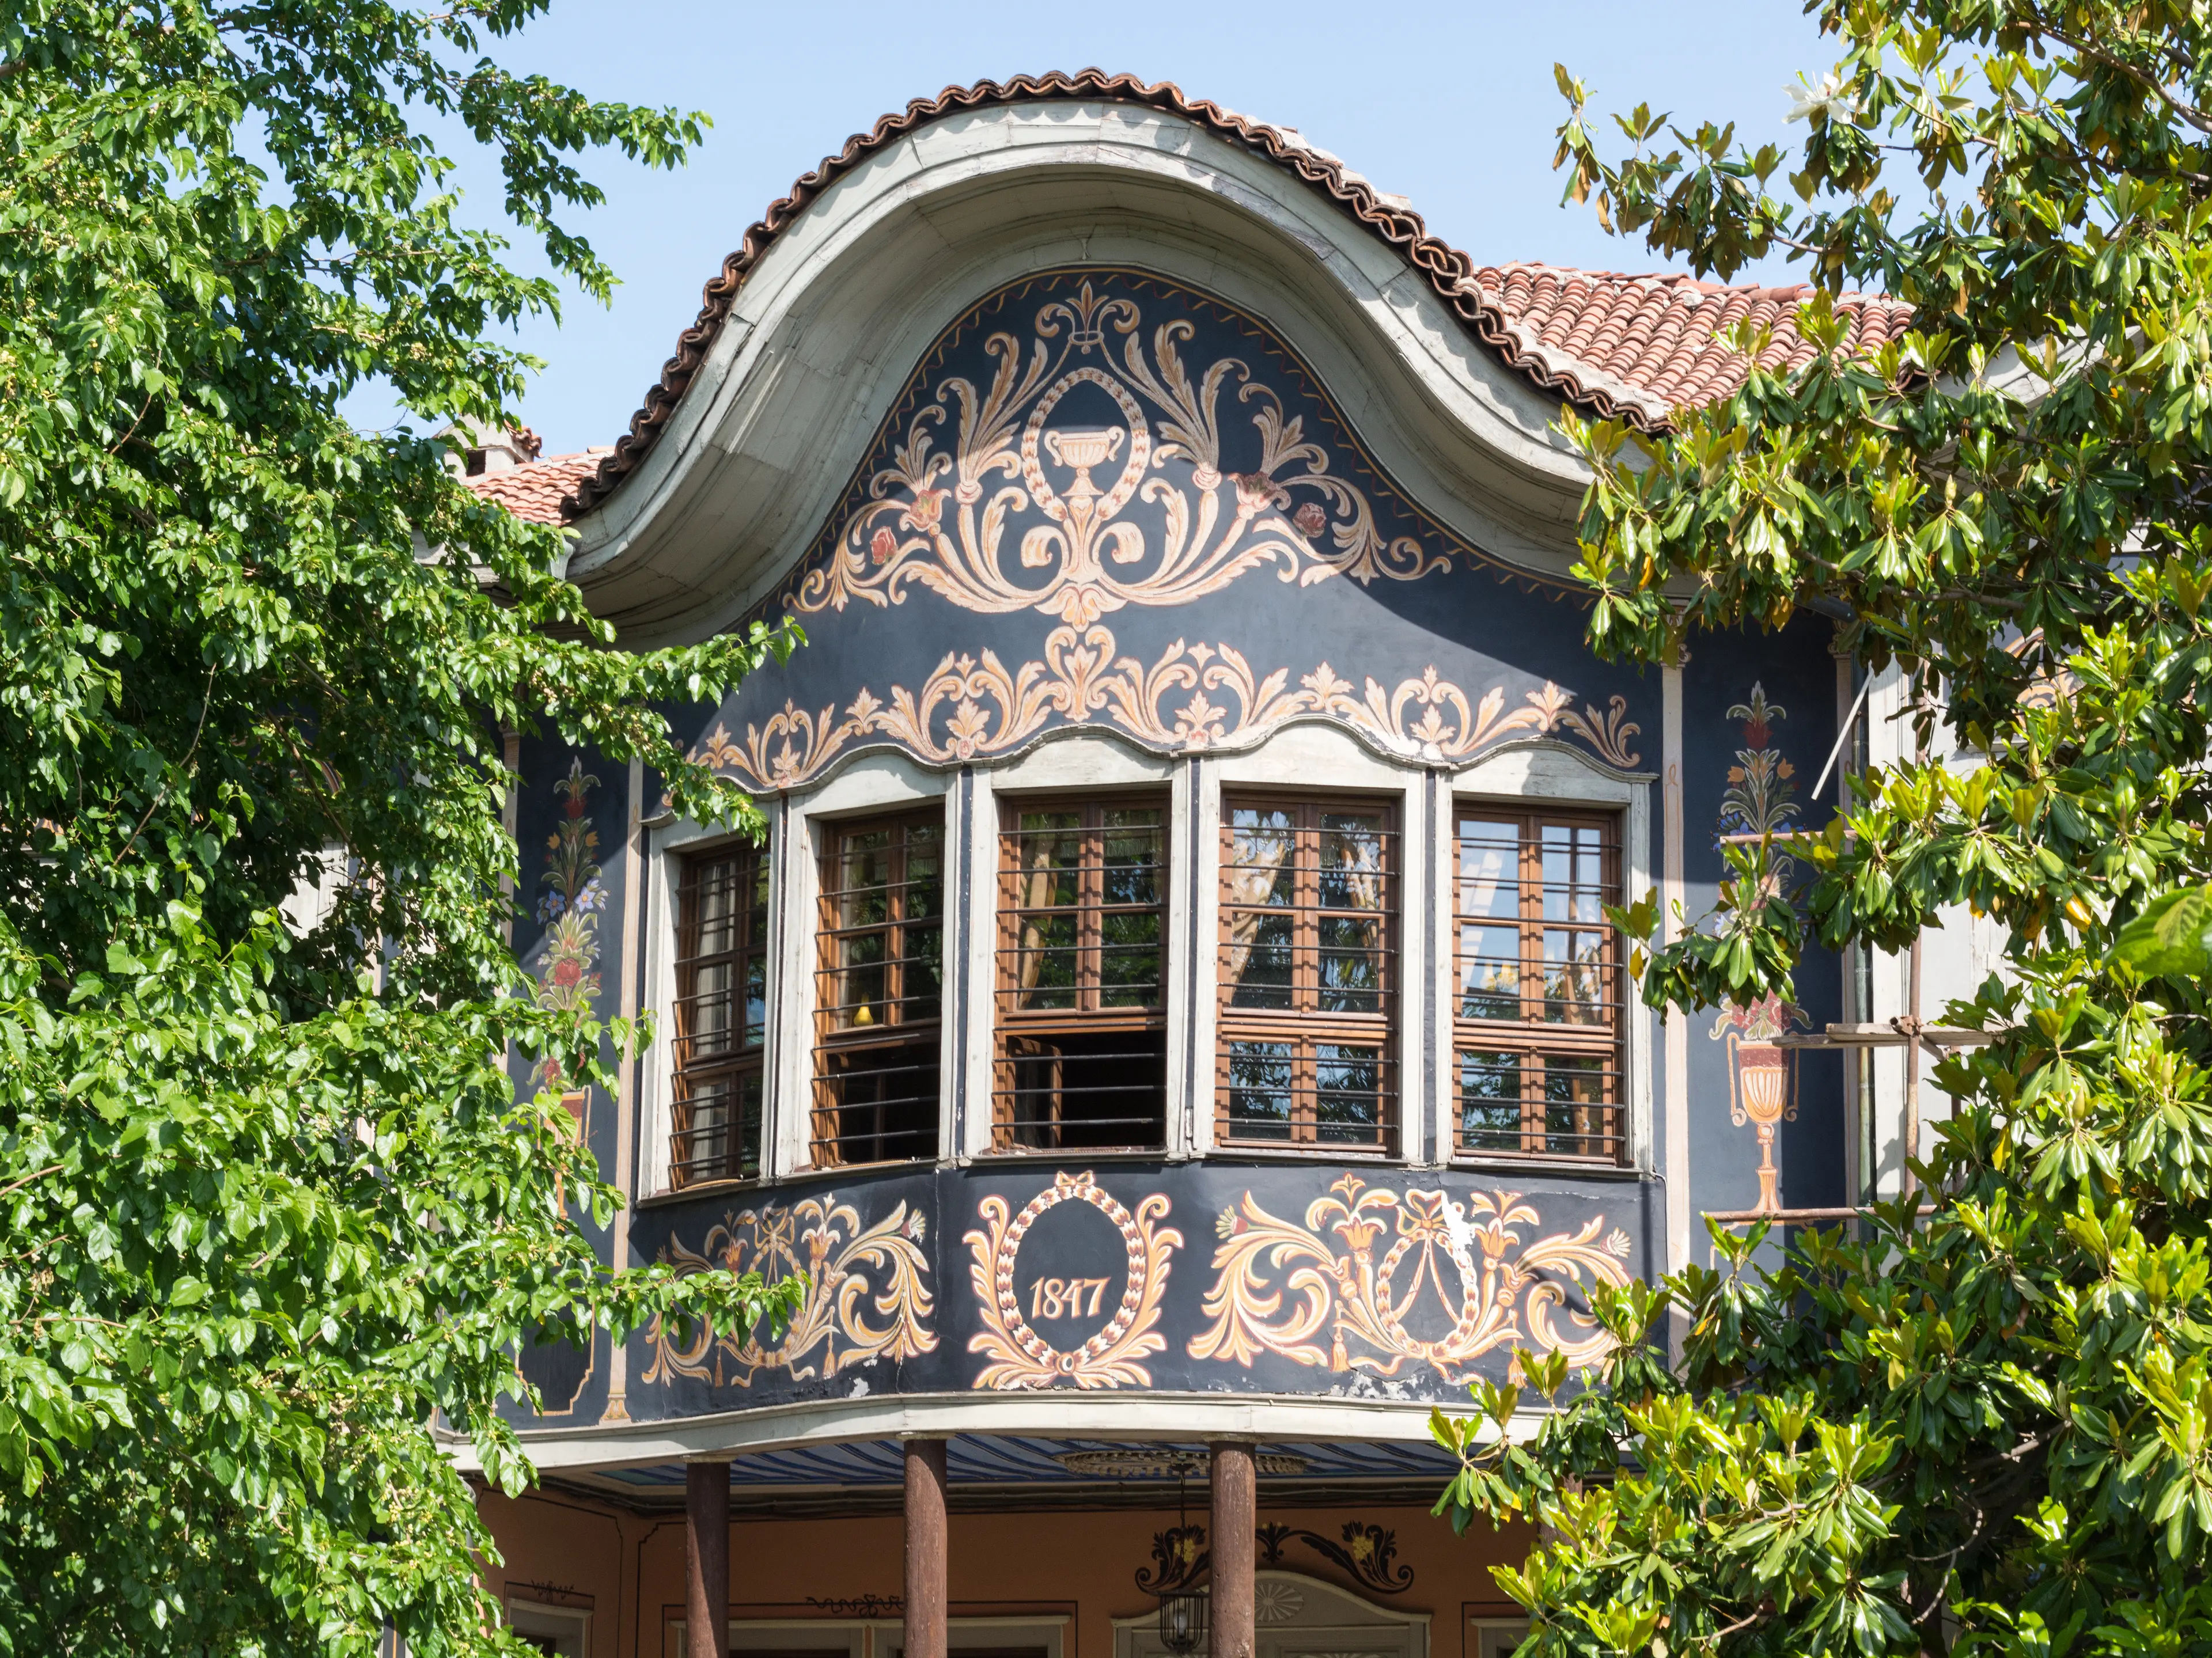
[1184,478]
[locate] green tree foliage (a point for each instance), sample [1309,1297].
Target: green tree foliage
[1987,1428]
[270,1204]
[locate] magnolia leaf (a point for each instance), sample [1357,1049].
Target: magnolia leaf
[2171,938]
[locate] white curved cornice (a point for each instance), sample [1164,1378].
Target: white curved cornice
[832,321]
[1150,1418]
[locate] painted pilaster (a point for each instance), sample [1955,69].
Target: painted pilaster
[631,1071]
[1675,1086]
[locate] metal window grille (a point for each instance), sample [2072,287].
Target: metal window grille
[1309,974]
[1539,986]
[1081,1060]
[880,992]
[720,1015]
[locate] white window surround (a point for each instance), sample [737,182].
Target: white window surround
[1300,756]
[1078,761]
[872,783]
[666,847]
[1317,759]
[569,1627]
[1555,775]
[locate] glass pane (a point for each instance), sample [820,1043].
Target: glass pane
[1046,961]
[1048,860]
[1130,847]
[1347,1095]
[756,999]
[707,1013]
[1490,972]
[1489,869]
[1575,1119]
[1259,958]
[706,1145]
[1351,964]
[749,1128]
[924,978]
[1574,977]
[1490,1102]
[712,908]
[860,982]
[1573,873]
[925,870]
[757,929]
[1048,886]
[1351,860]
[1262,841]
[1129,958]
[863,874]
[1260,1080]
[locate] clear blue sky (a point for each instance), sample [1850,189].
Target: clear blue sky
[1453,106]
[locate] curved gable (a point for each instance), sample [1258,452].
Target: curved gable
[1106,499]
[1090,439]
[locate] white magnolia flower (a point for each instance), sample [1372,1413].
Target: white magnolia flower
[1806,101]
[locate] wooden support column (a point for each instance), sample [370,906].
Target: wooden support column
[1234,1521]
[924,1548]
[707,1560]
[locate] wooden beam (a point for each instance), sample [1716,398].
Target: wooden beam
[1889,1035]
[1236,1550]
[707,1560]
[924,1548]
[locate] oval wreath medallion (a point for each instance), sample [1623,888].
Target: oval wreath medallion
[1018,1357]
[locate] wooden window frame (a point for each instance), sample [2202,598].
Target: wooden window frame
[1090,1017]
[741,1060]
[1591,1133]
[1304,1027]
[898,1031]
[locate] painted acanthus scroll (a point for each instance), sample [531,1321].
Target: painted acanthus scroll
[868,1296]
[943,519]
[1337,1291]
[974,706]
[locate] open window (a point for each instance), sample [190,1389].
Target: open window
[720,1015]
[1537,1022]
[1309,974]
[1081,1026]
[879,982]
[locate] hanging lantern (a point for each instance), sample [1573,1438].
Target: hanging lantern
[1183,1620]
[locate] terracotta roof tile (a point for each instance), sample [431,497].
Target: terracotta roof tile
[538,492]
[1648,344]
[1636,347]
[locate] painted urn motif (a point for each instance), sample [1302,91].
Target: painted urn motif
[1761,1076]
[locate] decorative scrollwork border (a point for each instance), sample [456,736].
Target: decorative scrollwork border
[974,706]
[1323,1293]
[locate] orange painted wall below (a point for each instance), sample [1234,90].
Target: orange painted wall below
[628,1569]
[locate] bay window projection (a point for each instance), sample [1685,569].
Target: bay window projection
[720,1015]
[879,990]
[1309,974]
[1081,1026]
[1537,1025]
